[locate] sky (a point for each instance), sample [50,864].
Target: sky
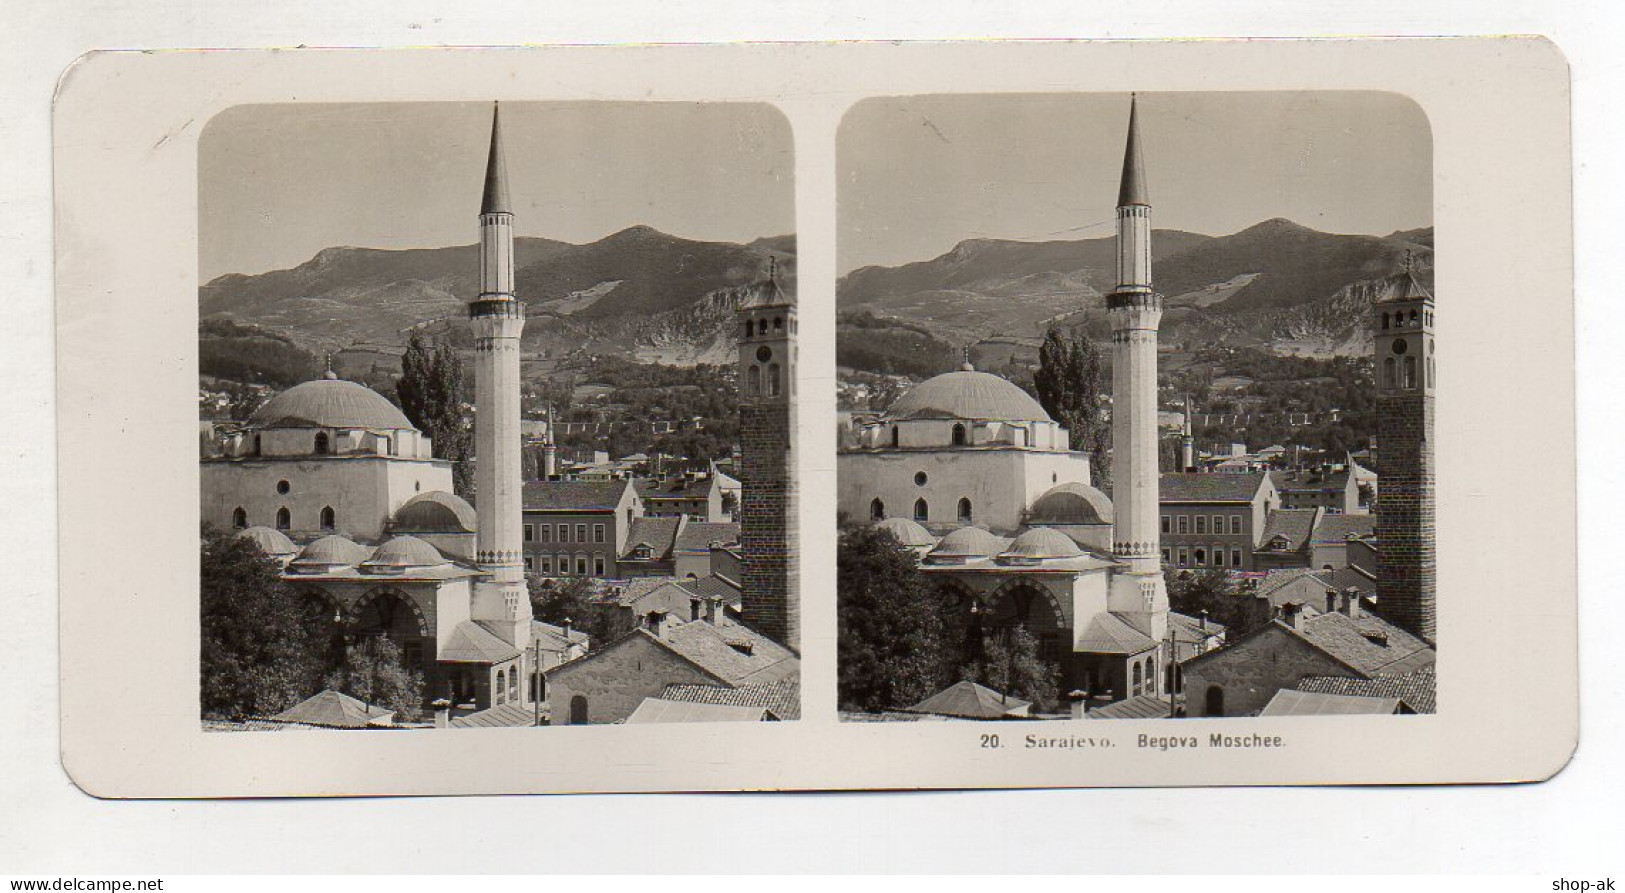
[920,174]
[278,183]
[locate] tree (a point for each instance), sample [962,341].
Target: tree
[372,671]
[890,643]
[431,394]
[257,657]
[1214,591]
[1070,380]
[570,601]
[1010,664]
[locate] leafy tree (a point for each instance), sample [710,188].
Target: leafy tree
[890,647]
[1010,664]
[557,601]
[257,658]
[1070,380]
[432,395]
[1213,590]
[372,671]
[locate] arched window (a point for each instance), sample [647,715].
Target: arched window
[778,323]
[1138,680]
[500,694]
[1410,373]
[256,444]
[329,521]
[513,685]
[1430,373]
[239,517]
[921,510]
[896,436]
[1385,320]
[877,510]
[1151,675]
[964,511]
[321,443]
[578,710]
[959,435]
[1215,700]
[1388,372]
[773,385]
[753,380]
[284,521]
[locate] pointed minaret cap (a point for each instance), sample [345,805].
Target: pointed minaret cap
[1133,191]
[496,171]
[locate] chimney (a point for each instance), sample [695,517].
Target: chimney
[1351,602]
[1078,704]
[1292,614]
[659,623]
[1331,601]
[442,713]
[715,611]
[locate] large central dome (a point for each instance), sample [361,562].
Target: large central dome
[329,403]
[968,394]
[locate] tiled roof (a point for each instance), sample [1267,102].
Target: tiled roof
[552,637]
[657,533]
[580,496]
[1277,580]
[1190,629]
[1294,524]
[332,709]
[969,700]
[782,698]
[471,643]
[1289,702]
[733,653]
[715,586]
[1188,487]
[659,710]
[1338,528]
[1109,634]
[1416,688]
[1141,707]
[1344,577]
[502,716]
[1368,643]
[697,536]
[634,590]
[1310,481]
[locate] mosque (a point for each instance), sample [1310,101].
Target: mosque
[388,549]
[974,475]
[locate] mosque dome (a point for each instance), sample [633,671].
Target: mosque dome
[1072,503]
[967,394]
[330,551]
[274,543]
[969,542]
[909,533]
[329,403]
[436,512]
[403,552]
[1040,543]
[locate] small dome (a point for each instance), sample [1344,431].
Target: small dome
[1072,503]
[436,512]
[274,543]
[333,550]
[329,403]
[1042,542]
[404,551]
[909,533]
[969,542]
[968,395]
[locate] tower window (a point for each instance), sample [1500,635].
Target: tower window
[778,323]
[282,487]
[1385,320]
[1410,373]
[877,510]
[284,520]
[753,380]
[329,519]
[1388,372]
[321,443]
[921,510]
[773,385]
[239,518]
[964,511]
[959,435]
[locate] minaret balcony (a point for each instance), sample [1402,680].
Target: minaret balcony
[504,307]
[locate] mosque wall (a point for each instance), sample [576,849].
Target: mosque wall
[362,491]
[1000,484]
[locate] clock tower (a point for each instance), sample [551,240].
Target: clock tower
[1402,325]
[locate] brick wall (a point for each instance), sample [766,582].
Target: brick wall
[1406,582]
[767,524]
[1253,670]
[617,679]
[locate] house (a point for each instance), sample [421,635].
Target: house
[1241,678]
[608,685]
[648,547]
[693,549]
[1329,545]
[1335,491]
[577,528]
[660,710]
[697,496]
[1417,689]
[1214,520]
[781,700]
[1286,539]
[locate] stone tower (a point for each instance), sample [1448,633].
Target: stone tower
[1138,593]
[1403,326]
[767,424]
[500,597]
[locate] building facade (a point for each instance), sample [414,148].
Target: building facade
[1403,328]
[767,424]
[1214,520]
[578,528]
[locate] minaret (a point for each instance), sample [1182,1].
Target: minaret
[550,451]
[1138,594]
[1407,584]
[766,469]
[1187,443]
[500,598]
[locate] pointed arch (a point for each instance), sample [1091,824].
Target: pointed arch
[239,518]
[922,511]
[323,444]
[877,510]
[329,518]
[284,519]
[959,434]
[964,510]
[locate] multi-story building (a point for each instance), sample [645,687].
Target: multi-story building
[578,528]
[1214,520]
[1335,491]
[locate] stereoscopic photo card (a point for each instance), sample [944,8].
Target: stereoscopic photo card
[778,417]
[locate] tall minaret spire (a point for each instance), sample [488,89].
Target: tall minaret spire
[1188,441]
[1137,594]
[498,319]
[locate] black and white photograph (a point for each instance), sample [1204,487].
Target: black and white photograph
[1136,398]
[496,410]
